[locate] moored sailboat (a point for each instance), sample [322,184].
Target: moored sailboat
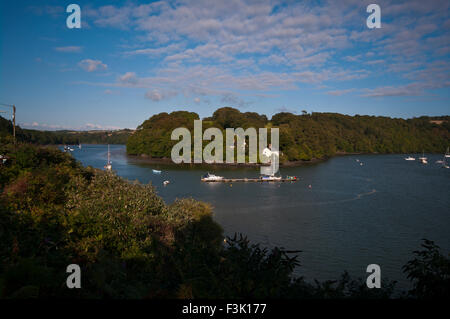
[423,159]
[108,165]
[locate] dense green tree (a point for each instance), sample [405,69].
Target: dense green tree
[307,136]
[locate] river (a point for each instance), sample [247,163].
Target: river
[342,215]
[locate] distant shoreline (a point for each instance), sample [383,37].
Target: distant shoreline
[167,161]
[147,159]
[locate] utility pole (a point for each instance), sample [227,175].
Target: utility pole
[14,123]
[14,119]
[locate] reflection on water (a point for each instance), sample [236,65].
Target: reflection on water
[351,216]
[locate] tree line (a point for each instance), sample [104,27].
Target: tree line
[304,137]
[63,136]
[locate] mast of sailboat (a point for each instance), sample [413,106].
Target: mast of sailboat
[108,155]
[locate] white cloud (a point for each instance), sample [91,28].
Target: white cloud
[92,65]
[228,48]
[157,95]
[129,77]
[53,127]
[340,92]
[69,49]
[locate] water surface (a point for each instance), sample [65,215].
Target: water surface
[342,215]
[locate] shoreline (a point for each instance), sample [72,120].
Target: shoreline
[143,158]
[167,161]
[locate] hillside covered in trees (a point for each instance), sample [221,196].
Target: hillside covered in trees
[130,244]
[64,137]
[304,137]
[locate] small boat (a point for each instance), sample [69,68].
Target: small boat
[108,165]
[361,164]
[165,183]
[423,159]
[443,161]
[68,149]
[211,177]
[410,158]
[270,178]
[291,178]
[79,146]
[156,171]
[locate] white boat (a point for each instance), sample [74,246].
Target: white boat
[156,171]
[211,177]
[410,158]
[68,148]
[165,183]
[270,178]
[108,165]
[268,172]
[423,159]
[79,146]
[443,162]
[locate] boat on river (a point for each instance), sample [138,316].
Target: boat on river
[423,159]
[267,173]
[211,178]
[108,165]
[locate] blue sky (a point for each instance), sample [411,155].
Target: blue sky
[133,59]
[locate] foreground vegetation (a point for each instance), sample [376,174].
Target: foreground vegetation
[304,137]
[130,244]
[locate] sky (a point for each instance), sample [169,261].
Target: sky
[132,59]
